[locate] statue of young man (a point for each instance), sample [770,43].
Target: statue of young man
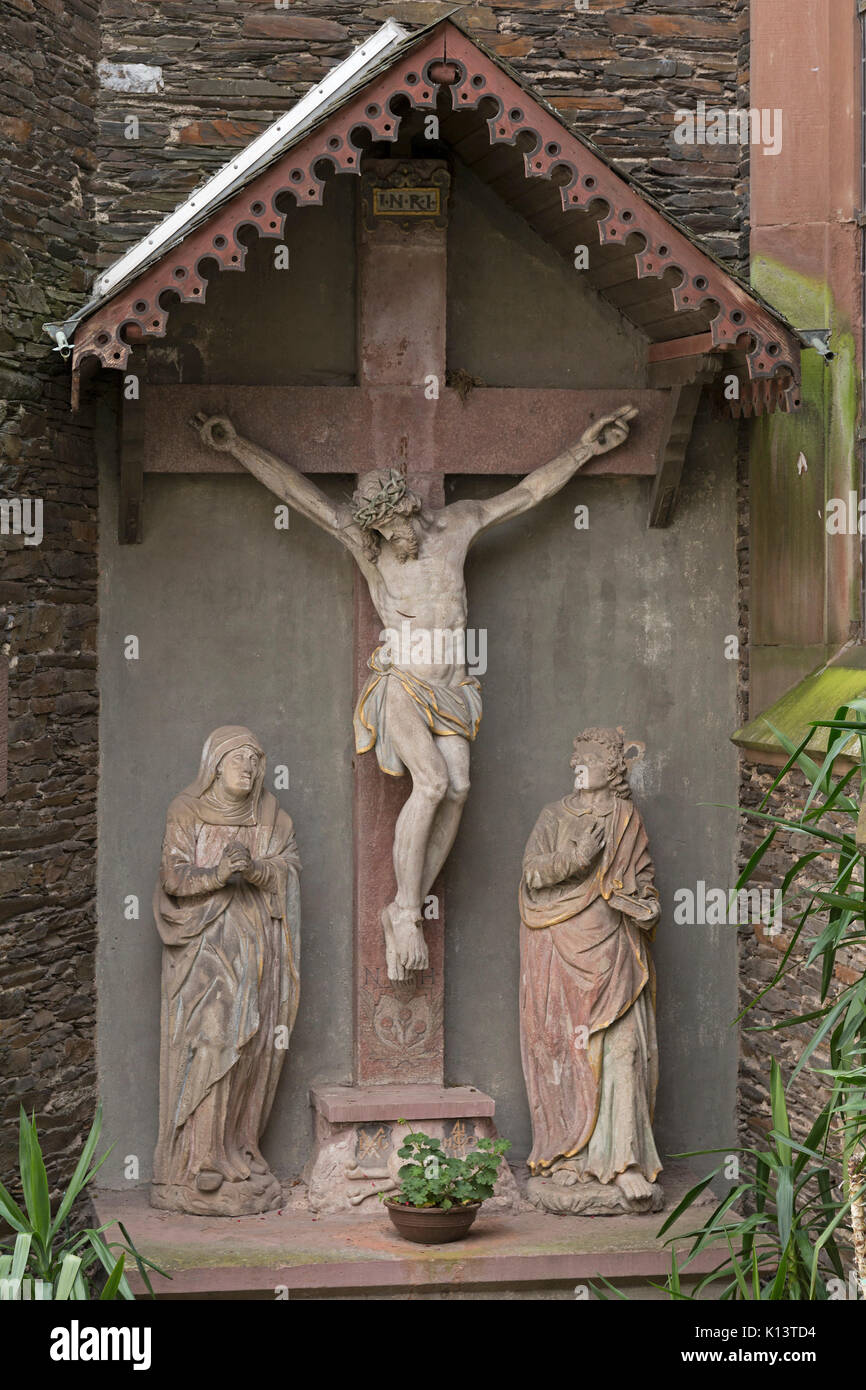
[589,909]
[418,714]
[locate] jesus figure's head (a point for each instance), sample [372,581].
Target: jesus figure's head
[385,508]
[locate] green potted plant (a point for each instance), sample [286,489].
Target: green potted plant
[438,1195]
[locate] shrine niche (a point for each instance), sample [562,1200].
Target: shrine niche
[424,350]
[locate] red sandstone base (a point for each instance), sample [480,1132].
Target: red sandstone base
[359,1130]
[294,1254]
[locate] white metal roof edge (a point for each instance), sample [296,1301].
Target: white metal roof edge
[265,145]
[354,71]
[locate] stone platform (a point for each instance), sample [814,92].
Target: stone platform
[359,1130]
[296,1254]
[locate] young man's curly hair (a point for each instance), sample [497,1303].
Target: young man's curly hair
[611,740]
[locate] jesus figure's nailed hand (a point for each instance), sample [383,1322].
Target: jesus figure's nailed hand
[216,430]
[611,431]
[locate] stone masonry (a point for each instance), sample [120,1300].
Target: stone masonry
[47,591]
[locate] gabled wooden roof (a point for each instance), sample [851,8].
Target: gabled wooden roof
[650,268]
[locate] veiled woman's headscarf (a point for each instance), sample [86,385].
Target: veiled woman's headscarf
[211,808]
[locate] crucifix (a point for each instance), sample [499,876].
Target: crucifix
[404,430]
[420,708]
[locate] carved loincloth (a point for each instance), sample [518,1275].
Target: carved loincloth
[448,709]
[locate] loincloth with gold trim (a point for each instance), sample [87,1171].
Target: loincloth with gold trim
[448,709]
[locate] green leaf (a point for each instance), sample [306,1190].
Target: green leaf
[65,1282]
[856,906]
[714,1230]
[34,1180]
[434,1178]
[817,1038]
[834,749]
[142,1263]
[687,1201]
[738,1271]
[779,1110]
[827,1234]
[614,1290]
[785,1206]
[20,1255]
[112,1283]
[776,1290]
[81,1176]
[796,755]
[674,1276]
[755,859]
[108,1261]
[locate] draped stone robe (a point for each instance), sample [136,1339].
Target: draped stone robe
[587,997]
[229,982]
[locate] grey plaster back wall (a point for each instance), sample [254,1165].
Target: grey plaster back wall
[616,625]
[518,314]
[611,625]
[237,623]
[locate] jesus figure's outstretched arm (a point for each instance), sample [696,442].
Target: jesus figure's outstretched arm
[280,478]
[600,438]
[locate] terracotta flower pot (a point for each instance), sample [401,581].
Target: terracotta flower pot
[432,1225]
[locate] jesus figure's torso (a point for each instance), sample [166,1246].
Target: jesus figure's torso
[424,600]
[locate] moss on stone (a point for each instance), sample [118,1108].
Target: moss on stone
[817,697]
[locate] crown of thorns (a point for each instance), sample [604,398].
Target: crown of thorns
[383,502]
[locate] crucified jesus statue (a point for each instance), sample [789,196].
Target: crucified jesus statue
[420,709]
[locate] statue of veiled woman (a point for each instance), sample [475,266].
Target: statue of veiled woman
[589,909]
[227,909]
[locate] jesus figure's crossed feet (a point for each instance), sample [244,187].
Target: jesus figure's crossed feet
[405,947]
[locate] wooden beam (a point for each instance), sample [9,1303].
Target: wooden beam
[682,371]
[684,400]
[344,429]
[680,347]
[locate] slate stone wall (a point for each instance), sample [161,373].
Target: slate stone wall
[47,590]
[760,956]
